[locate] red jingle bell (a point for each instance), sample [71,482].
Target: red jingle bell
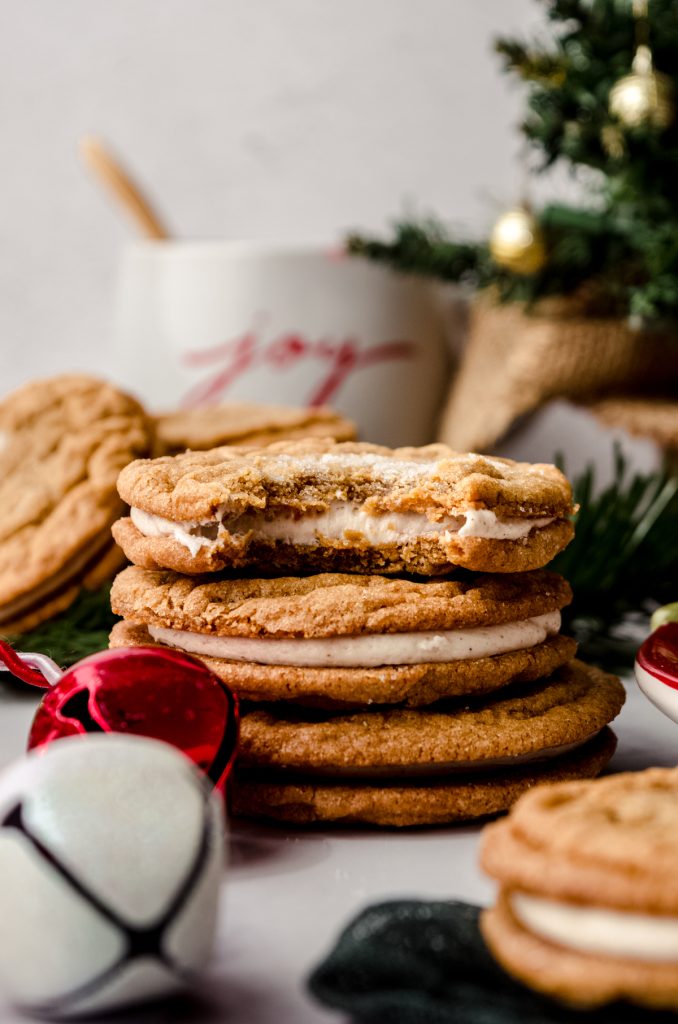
[144,691]
[656,664]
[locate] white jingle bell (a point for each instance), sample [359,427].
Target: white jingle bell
[111,854]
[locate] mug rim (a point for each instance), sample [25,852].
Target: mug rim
[171,248]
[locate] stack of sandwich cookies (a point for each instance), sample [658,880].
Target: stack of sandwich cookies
[368,697]
[333,729]
[63,442]
[344,507]
[342,641]
[588,902]
[449,762]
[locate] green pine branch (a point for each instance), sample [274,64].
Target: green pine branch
[81,630]
[575,240]
[622,562]
[426,248]
[625,236]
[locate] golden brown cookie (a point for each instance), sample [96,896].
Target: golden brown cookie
[408,685]
[588,903]
[423,632]
[536,722]
[356,507]
[423,556]
[103,568]
[63,442]
[332,604]
[247,424]
[443,801]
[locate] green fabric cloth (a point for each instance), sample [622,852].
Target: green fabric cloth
[411,962]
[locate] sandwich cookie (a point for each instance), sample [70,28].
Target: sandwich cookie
[333,640]
[63,442]
[535,723]
[447,800]
[246,424]
[588,901]
[348,507]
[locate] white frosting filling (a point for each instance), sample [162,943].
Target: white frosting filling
[599,930]
[342,521]
[368,650]
[192,535]
[482,522]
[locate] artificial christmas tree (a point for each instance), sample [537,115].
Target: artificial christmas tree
[580,301]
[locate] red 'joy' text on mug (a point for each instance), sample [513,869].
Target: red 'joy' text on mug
[339,359]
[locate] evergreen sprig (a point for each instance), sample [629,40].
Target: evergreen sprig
[622,561]
[576,240]
[81,630]
[625,237]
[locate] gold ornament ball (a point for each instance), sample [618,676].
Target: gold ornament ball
[643,99]
[517,242]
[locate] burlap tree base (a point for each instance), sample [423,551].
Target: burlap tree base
[516,360]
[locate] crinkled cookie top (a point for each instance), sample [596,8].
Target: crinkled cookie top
[308,475]
[332,604]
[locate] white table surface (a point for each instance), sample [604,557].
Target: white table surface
[287,894]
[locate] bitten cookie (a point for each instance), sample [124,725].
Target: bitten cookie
[348,640]
[348,507]
[63,442]
[246,424]
[588,901]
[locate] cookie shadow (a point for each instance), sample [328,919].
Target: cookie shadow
[256,847]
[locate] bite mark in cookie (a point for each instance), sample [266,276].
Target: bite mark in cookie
[341,523]
[347,505]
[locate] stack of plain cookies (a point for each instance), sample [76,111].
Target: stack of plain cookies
[384,616]
[63,442]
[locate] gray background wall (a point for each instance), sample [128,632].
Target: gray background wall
[255,118]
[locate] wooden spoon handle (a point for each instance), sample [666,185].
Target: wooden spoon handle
[120,184]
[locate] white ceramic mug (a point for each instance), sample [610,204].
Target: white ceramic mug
[205,322]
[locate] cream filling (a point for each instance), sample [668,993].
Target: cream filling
[342,521]
[598,930]
[367,650]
